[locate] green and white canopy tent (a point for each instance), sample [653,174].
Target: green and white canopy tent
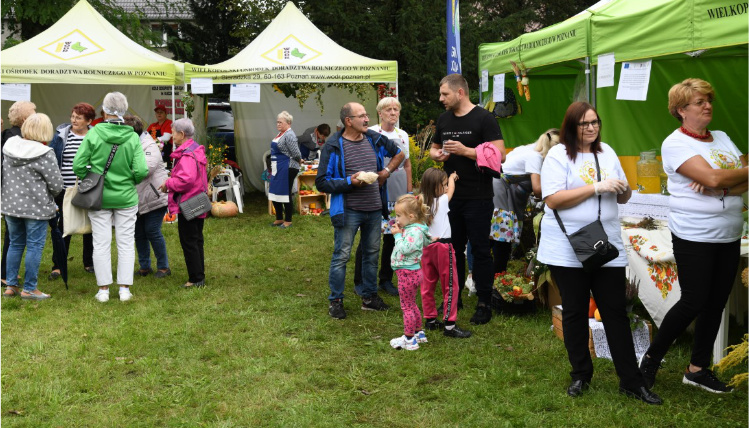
[684,38]
[290,50]
[80,50]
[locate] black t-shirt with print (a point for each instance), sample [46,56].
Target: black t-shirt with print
[476,127]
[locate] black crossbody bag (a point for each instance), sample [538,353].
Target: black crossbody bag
[590,243]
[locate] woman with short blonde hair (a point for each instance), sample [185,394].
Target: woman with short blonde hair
[285,159]
[31,181]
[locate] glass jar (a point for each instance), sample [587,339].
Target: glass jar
[648,173]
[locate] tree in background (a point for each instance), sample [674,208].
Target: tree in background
[27,18]
[412,32]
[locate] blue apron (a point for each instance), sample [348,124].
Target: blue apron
[278,190]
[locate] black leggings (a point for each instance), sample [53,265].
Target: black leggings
[287,207]
[706,275]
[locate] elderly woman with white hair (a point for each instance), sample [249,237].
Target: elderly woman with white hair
[285,158]
[188,179]
[113,143]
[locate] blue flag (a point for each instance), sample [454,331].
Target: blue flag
[453,38]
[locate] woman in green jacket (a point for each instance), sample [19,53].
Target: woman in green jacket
[120,199]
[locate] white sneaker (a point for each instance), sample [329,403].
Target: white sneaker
[421,337]
[102,296]
[125,294]
[404,343]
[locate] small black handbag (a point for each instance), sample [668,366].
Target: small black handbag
[590,243]
[91,188]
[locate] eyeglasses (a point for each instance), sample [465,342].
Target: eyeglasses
[701,103]
[593,123]
[361,116]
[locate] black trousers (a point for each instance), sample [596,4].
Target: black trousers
[501,252]
[386,271]
[706,275]
[285,210]
[88,239]
[608,287]
[470,220]
[191,239]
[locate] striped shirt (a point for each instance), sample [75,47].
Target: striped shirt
[359,156]
[71,148]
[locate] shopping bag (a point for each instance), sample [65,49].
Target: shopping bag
[75,219]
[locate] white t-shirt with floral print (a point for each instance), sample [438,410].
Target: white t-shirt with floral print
[694,216]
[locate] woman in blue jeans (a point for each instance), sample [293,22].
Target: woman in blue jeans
[151,206]
[31,180]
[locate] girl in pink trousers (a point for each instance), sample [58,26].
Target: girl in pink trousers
[438,260]
[411,235]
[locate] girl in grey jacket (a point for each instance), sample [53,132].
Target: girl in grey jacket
[31,180]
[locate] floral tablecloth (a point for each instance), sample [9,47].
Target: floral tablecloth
[652,264]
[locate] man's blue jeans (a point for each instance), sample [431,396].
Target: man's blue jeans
[369,223]
[148,230]
[30,234]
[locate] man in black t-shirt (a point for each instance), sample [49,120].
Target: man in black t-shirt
[459,131]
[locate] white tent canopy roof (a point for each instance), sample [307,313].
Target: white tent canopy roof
[292,50]
[84,48]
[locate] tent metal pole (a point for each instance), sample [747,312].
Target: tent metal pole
[174,110]
[593,81]
[587,78]
[184,111]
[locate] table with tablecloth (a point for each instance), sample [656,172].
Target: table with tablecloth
[652,264]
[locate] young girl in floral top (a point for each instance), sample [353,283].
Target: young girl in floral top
[411,236]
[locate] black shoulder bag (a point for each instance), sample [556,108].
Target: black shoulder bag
[590,243]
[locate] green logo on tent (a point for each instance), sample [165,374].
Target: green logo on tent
[298,54]
[77,47]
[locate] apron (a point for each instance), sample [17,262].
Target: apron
[279,180]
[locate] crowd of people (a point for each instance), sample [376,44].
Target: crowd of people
[41,165]
[366,170]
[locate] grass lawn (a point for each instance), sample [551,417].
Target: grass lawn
[257,348]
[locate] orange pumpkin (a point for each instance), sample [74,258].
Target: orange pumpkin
[597,315]
[224,209]
[592,307]
[170,218]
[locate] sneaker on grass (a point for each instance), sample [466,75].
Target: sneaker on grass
[421,337]
[102,296]
[706,380]
[456,332]
[373,303]
[125,294]
[336,310]
[483,314]
[405,343]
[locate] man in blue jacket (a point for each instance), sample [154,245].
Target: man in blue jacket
[354,204]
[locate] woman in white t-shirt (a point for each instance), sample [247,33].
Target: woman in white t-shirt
[706,177]
[570,185]
[521,176]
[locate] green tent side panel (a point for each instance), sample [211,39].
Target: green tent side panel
[634,126]
[550,97]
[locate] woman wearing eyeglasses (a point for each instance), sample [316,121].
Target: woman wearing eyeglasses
[570,185]
[707,175]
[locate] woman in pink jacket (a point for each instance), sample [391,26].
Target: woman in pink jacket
[188,179]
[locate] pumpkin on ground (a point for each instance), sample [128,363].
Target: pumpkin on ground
[224,209]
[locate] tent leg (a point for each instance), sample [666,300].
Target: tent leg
[587,78]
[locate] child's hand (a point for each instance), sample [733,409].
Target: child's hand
[454,177]
[395,229]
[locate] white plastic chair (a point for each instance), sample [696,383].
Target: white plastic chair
[225,181]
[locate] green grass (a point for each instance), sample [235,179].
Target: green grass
[257,348]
